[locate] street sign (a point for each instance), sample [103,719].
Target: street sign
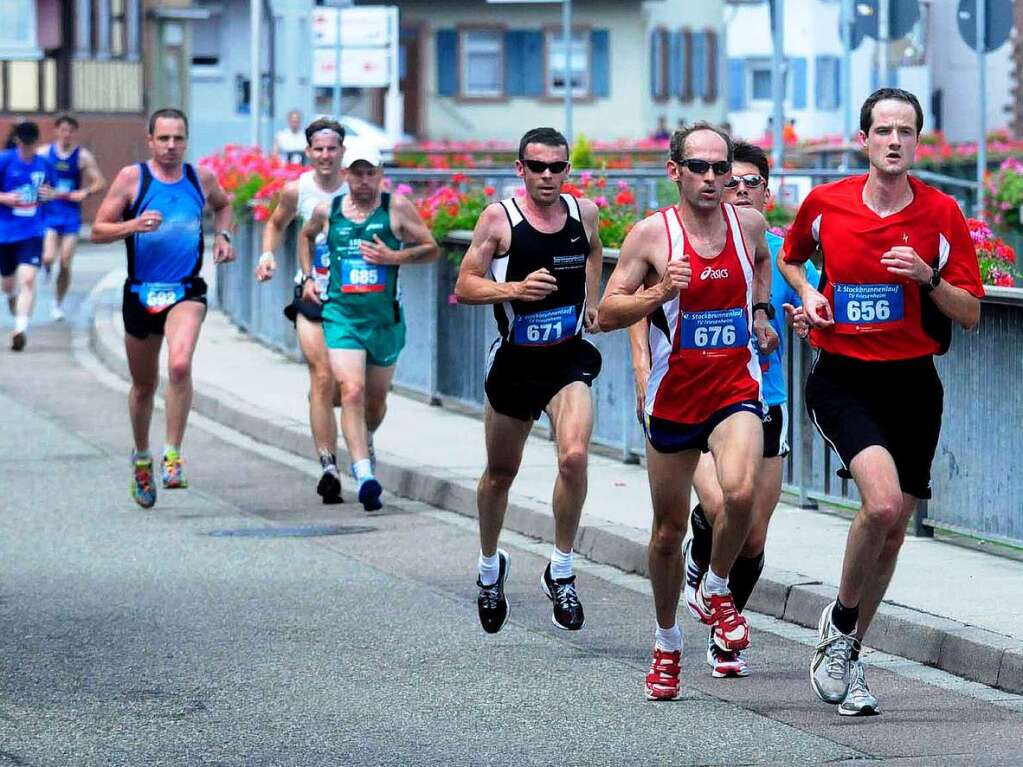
[361,27]
[902,16]
[360,67]
[998,26]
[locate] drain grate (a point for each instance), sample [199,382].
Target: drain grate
[308,531]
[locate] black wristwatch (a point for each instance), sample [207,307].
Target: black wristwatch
[932,283]
[225,234]
[767,309]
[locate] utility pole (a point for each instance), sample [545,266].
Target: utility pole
[255,74]
[566,34]
[778,72]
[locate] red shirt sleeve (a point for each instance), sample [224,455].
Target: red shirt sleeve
[800,243]
[960,267]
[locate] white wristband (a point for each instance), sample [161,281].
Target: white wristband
[266,258]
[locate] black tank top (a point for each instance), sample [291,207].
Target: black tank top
[559,316]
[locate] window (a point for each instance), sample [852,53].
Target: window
[659,64]
[206,42]
[18,31]
[760,83]
[482,63]
[828,82]
[579,63]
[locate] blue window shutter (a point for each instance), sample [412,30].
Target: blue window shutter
[736,84]
[699,65]
[656,54]
[600,63]
[675,64]
[514,63]
[798,83]
[532,71]
[447,62]
[820,73]
[837,75]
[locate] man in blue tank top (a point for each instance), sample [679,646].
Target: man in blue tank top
[77,176]
[26,181]
[156,207]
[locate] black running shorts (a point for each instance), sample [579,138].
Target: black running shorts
[308,309]
[896,405]
[521,381]
[776,431]
[141,323]
[672,437]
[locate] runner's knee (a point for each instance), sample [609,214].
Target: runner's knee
[883,513]
[572,461]
[739,497]
[179,369]
[353,394]
[499,478]
[667,534]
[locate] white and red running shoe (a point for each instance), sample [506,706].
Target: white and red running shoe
[731,631]
[693,576]
[662,683]
[725,664]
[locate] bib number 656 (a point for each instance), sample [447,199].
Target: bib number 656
[868,311]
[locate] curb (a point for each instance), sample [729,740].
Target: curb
[957,648]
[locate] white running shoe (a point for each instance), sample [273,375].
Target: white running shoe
[57,314]
[858,701]
[830,666]
[725,664]
[693,575]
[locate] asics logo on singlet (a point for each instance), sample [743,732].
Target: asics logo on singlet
[710,273]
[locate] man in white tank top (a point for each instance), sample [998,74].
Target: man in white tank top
[300,197]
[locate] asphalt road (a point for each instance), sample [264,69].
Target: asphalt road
[240,622]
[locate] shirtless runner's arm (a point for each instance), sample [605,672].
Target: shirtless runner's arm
[274,228]
[307,246]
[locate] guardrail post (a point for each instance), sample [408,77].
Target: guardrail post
[920,527]
[802,434]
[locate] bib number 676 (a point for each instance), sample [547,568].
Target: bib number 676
[714,335]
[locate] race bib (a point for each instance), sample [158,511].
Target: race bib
[867,308]
[717,329]
[157,297]
[359,277]
[28,196]
[321,266]
[545,328]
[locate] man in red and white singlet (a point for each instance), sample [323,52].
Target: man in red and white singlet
[700,274]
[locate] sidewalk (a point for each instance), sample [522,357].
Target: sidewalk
[948,606]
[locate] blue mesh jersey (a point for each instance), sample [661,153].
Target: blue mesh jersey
[781,293]
[173,253]
[25,220]
[67,173]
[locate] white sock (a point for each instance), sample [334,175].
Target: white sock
[362,469]
[20,323]
[669,640]
[490,568]
[561,564]
[168,449]
[715,584]
[140,455]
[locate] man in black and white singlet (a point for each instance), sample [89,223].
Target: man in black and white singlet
[325,147]
[538,261]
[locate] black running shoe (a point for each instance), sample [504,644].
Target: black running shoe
[329,487]
[18,341]
[492,603]
[568,613]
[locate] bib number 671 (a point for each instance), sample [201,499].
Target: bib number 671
[543,332]
[868,311]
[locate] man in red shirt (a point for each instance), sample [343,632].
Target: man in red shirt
[701,273]
[898,267]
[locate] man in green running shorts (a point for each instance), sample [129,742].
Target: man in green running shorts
[370,234]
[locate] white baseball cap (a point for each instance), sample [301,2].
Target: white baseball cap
[361,150]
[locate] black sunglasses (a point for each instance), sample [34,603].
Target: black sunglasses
[752,181]
[539,167]
[699,167]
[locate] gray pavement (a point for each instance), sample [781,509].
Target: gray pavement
[241,622]
[958,609]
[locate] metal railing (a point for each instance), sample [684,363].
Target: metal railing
[978,490]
